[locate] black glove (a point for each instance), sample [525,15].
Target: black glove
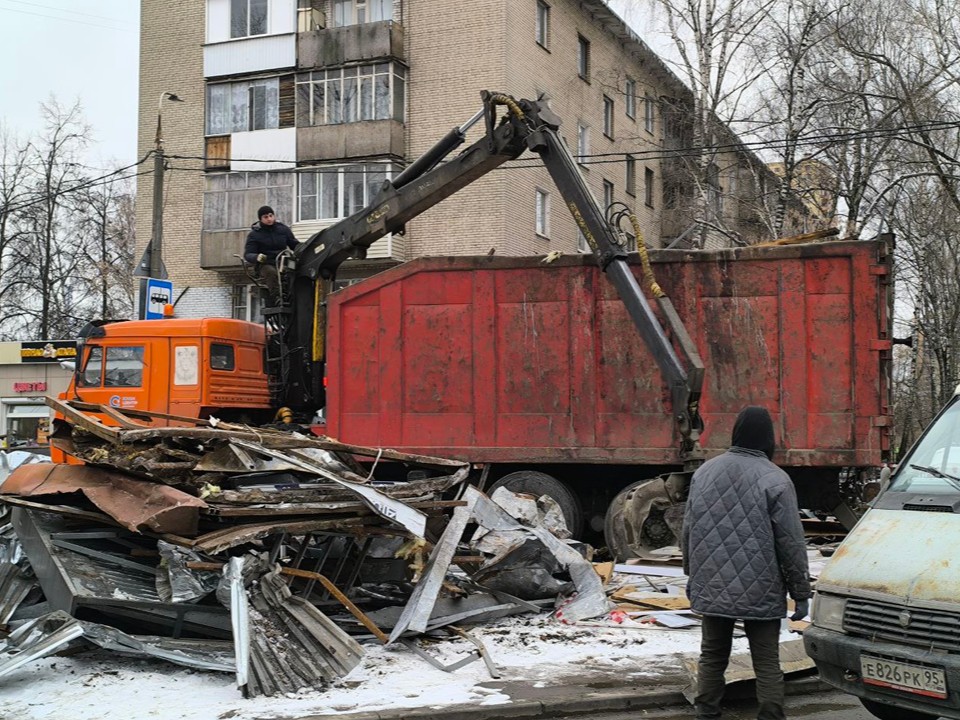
[802,608]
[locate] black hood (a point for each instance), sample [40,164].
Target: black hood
[754,430]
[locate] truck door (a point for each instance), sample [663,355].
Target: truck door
[115,375]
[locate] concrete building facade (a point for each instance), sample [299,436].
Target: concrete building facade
[308,105]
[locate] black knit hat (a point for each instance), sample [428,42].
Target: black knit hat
[754,430]
[265,210]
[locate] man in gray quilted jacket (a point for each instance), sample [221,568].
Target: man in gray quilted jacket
[743,550]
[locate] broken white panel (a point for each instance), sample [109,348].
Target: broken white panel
[416,613]
[239,619]
[386,507]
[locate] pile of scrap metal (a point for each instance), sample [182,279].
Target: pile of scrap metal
[267,553]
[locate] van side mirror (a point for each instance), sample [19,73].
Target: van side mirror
[885,474]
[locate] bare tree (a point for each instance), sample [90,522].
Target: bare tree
[48,260]
[105,224]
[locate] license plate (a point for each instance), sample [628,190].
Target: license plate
[927,681]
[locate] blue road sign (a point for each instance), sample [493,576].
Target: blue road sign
[157,294]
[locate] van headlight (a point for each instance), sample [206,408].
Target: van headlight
[828,611]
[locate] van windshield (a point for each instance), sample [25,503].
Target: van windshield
[934,465]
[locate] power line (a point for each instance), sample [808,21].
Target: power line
[92,182]
[659,153]
[61,9]
[69,20]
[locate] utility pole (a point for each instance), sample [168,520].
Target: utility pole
[155,249]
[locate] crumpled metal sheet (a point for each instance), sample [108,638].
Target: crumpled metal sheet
[135,504]
[395,511]
[178,583]
[51,632]
[590,599]
[287,643]
[526,569]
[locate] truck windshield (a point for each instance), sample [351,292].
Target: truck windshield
[934,465]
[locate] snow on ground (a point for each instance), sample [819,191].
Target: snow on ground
[537,651]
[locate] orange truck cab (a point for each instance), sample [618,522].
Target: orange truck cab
[192,367]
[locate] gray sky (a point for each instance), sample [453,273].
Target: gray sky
[73,49]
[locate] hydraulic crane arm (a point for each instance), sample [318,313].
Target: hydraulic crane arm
[527,125]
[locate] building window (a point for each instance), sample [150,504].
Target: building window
[338,191]
[582,244]
[246,303]
[583,142]
[648,187]
[242,106]
[344,95]
[542,201]
[357,12]
[631,99]
[230,200]
[583,57]
[248,17]
[608,117]
[607,194]
[631,179]
[649,108]
[543,24]
[631,242]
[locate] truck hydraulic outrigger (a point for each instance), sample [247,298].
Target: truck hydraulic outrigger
[296,339]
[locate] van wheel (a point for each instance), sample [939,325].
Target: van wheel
[537,483]
[891,712]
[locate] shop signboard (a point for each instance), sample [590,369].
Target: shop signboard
[47,351]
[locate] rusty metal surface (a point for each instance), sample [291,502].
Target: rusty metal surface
[135,504]
[509,360]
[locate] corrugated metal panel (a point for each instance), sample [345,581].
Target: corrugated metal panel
[14,587]
[255,54]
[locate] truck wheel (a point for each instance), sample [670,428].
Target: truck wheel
[537,484]
[642,518]
[891,712]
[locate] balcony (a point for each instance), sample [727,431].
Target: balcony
[219,248]
[332,47]
[370,138]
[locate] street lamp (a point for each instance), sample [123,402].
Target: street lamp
[156,238]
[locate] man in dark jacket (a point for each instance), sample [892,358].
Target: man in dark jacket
[743,550]
[267,239]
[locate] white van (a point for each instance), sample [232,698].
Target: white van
[886,615]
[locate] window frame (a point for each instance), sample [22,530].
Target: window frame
[330,88]
[231,356]
[359,8]
[609,194]
[271,93]
[630,175]
[542,25]
[541,205]
[95,350]
[649,114]
[630,92]
[583,142]
[608,116]
[106,365]
[583,58]
[325,171]
[248,4]
[649,180]
[270,191]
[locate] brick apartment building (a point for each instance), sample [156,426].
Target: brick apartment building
[308,105]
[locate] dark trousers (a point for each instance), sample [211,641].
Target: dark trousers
[717,640]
